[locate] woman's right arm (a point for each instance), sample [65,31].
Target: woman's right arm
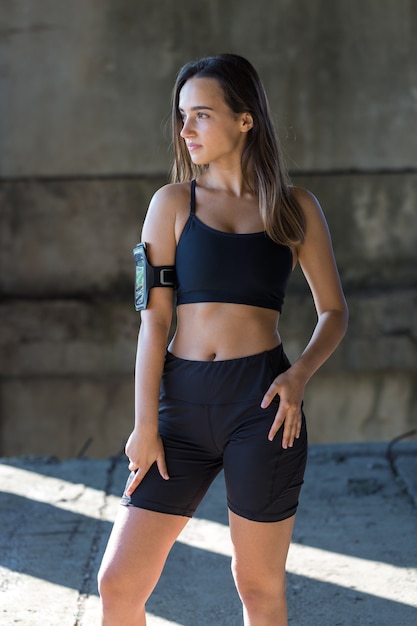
[144,446]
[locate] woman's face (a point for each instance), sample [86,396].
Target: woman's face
[211,130]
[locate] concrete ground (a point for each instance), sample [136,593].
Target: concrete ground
[353,560]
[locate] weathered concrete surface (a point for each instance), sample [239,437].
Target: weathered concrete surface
[86,87]
[68,327]
[60,237]
[70,237]
[66,376]
[84,96]
[353,559]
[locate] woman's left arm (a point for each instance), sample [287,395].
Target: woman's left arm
[318,264]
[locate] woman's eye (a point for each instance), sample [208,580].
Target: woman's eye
[202,115]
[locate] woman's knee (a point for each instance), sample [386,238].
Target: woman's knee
[122,600]
[109,581]
[260,591]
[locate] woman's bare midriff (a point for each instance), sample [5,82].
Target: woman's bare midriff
[217,331]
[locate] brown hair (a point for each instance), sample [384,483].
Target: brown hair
[262,162]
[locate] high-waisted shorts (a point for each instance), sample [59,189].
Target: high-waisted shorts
[210,419]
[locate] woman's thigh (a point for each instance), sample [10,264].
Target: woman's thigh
[137,549]
[260,550]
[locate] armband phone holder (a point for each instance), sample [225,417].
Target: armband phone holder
[148,276]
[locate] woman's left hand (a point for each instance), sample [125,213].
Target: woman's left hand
[290,390]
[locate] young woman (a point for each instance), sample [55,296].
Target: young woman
[223,395]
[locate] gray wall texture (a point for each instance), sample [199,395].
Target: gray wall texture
[84,103]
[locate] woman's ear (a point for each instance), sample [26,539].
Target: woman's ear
[246,122]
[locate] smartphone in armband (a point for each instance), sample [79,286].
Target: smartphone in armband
[141,283]
[148,276]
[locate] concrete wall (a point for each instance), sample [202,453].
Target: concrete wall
[86,84]
[84,98]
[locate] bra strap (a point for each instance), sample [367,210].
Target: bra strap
[192,201]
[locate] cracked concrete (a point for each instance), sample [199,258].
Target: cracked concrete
[353,558]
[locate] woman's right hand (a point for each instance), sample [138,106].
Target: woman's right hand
[144,449]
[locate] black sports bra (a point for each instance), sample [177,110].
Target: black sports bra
[215,266]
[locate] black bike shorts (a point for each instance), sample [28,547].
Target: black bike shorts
[210,419]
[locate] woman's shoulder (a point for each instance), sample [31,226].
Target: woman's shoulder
[168,203]
[172,196]
[308,203]
[317,231]
[169,207]
[304,198]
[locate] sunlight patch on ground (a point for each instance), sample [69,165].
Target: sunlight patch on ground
[57,492]
[14,605]
[376,578]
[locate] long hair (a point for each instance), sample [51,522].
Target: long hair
[262,163]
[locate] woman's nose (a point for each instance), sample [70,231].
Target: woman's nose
[187,129]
